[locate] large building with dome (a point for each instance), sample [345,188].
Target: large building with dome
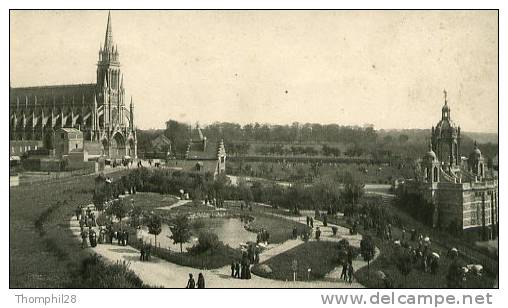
[462,191]
[39,115]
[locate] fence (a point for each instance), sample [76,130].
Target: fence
[35,178]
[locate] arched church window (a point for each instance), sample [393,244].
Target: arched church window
[435,174]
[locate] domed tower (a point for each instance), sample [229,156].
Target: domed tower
[476,162]
[446,139]
[430,165]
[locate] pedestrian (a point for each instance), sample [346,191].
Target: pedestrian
[233,269]
[84,235]
[191,284]
[237,270]
[78,213]
[308,220]
[243,273]
[142,252]
[318,233]
[295,233]
[119,237]
[247,271]
[350,255]
[201,281]
[350,271]
[343,275]
[311,222]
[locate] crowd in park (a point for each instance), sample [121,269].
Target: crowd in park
[104,234]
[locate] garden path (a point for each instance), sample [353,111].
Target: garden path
[161,273]
[176,204]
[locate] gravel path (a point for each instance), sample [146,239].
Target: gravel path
[161,273]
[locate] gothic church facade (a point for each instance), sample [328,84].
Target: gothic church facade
[97,109]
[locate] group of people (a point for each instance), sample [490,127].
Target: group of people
[85,216]
[263,236]
[347,272]
[310,222]
[241,270]
[87,221]
[90,235]
[145,252]
[191,283]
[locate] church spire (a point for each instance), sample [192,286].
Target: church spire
[108,40]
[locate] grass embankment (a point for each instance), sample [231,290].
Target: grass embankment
[417,278]
[320,257]
[43,252]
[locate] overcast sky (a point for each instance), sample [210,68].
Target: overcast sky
[386,68]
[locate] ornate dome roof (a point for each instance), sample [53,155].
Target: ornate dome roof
[446,126]
[430,155]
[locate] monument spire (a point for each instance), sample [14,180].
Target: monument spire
[108,40]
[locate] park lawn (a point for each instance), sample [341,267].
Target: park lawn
[365,173]
[280,229]
[42,250]
[320,257]
[150,201]
[222,256]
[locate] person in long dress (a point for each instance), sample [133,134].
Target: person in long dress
[201,281]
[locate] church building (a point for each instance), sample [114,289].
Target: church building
[98,110]
[464,194]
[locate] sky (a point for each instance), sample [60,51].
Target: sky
[386,68]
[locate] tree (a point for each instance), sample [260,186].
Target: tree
[368,250]
[118,209]
[403,138]
[180,230]
[136,215]
[245,193]
[353,190]
[99,197]
[154,224]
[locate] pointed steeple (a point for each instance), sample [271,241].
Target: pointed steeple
[108,40]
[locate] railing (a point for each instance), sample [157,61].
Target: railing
[55,176]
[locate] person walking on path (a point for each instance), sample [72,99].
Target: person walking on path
[318,233]
[201,281]
[237,270]
[233,269]
[343,275]
[78,213]
[84,235]
[350,272]
[191,284]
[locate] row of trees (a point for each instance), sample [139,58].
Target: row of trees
[322,194]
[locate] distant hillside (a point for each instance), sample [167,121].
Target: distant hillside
[417,135]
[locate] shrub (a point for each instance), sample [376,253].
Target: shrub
[207,241]
[95,273]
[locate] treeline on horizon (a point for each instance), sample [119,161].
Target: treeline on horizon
[331,139]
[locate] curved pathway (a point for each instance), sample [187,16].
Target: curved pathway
[161,273]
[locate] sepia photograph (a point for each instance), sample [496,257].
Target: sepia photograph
[328,149]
